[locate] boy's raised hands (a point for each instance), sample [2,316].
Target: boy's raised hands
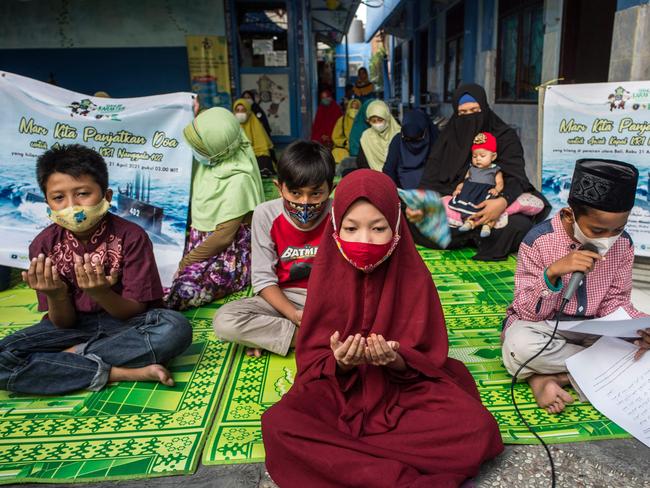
[91,277]
[42,276]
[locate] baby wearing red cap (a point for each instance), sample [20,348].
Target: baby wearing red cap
[483,180]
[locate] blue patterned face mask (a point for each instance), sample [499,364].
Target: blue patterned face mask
[304,212]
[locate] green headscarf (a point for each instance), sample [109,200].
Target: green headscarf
[375,144]
[229,186]
[358,126]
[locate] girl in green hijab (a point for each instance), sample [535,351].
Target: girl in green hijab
[376,139]
[226,187]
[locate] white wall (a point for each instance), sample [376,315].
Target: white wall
[552,39]
[38,24]
[524,118]
[630,59]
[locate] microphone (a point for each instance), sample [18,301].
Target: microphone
[577,276]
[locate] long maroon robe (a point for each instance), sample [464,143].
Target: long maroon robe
[325,120]
[375,427]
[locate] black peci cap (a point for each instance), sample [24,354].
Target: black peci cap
[604,184]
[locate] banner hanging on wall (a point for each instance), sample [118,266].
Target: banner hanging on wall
[148,160]
[598,120]
[209,73]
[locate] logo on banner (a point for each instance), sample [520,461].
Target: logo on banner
[86,107]
[621,98]
[618,98]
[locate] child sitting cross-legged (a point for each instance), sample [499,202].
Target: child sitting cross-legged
[285,233]
[600,200]
[95,275]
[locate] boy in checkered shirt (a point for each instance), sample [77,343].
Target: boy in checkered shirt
[601,197]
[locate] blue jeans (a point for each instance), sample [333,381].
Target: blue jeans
[5,277]
[32,361]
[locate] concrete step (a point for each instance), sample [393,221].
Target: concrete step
[641,273]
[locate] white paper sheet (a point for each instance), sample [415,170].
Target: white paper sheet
[616,384]
[616,324]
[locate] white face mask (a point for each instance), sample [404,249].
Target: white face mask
[242,117]
[603,244]
[201,158]
[380,127]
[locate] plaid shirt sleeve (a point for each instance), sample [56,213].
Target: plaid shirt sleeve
[533,301]
[620,291]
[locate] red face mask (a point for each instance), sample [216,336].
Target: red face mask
[363,255]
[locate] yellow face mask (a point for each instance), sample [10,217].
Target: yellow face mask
[79,218]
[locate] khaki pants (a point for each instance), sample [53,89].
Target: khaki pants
[524,339]
[253,322]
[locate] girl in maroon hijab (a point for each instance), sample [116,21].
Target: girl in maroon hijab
[376,401]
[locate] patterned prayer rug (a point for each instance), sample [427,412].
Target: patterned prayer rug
[475,295]
[128,430]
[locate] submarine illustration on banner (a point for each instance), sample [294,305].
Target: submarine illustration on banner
[132,202]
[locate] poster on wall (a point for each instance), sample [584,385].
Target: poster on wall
[141,139]
[598,120]
[209,74]
[272,93]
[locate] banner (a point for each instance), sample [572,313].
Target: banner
[598,120]
[149,162]
[208,61]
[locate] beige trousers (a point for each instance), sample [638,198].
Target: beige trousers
[253,322]
[523,339]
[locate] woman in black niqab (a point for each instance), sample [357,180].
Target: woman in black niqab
[449,162]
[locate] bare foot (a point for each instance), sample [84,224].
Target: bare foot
[153,372]
[548,391]
[254,352]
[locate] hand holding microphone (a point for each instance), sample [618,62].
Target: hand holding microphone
[577,262]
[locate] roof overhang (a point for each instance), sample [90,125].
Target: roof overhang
[331,19]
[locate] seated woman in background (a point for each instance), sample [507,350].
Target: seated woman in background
[226,187]
[257,110]
[342,129]
[326,117]
[448,164]
[409,150]
[363,88]
[259,139]
[359,125]
[376,139]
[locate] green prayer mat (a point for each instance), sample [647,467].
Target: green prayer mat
[128,430]
[270,190]
[474,295]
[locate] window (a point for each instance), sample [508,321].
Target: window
[262,33]
[454,49]
[519,56]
